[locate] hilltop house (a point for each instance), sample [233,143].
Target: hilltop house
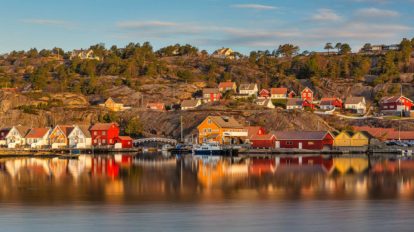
[58,138]
[248,89]
[351,139]
[331,103]
[114,105]
[38,137]
[103,134]
[311,140]
[307,94]
[15,137]
[278,93]
[395,105]
[80,137]
[84,55]
[356,104]
[190,104]
[292,94]
[264,93]
[266,103]
[224,53]
[3,133]
[156,106]
[227,86]
[211,95]
[221,129]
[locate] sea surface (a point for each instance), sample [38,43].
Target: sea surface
[130,193]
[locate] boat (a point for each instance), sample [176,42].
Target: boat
[211,149]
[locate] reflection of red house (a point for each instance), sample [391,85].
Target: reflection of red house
[126,141]
[104,166]
[261,166]
[312,140]
[104,133]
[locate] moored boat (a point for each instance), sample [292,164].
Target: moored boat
[212,149]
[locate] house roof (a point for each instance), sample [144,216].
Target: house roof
[116,100]
[22,130]
[386,133]
[211,91]
[226,122]
[279,90]
[250,86]
[35,133]
[190,103]
[253,130]
[300,135]
[223,51]
[307,88]
[327,101]
[157,105]
[85,130]
[226,84]
[264,102]
[124,138]
[393,99]
[294,102]
[66,129]
[264,90]
[102,126]
[354,100]
[262,137]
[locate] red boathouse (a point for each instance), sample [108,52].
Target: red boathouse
[310,140]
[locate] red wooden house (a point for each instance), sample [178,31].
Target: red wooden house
[329,103]
[264,93]
[395,105]
[292,94]
[258,137]
[307,94]
[311,140]
[125,141]
[104,134]
[211,95]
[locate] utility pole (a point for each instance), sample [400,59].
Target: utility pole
[401,112]
[182,135]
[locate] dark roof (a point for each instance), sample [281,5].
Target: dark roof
[249,86]
[190,103]
[211,90]
[226,122]
[354,100]
[300,135]
[294,102]
[102,126]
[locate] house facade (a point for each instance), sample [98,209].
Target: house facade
[395,105]
[330,103]
[224,53]
[356,104]
[80,137]
[278,93]
[227,86]
[351,139]
[104,134]
[310,140]
[3,133]
[114,105]
[248,89]
[211,95]
[265,103]
[190,104]
[158,106]
[264,93]
[221,129]
[123,142]
[38,137]
[16,136]
[298,104]
[84,55]
[58,138]
[307,94]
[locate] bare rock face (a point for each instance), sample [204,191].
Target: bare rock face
[11,100]
[71,100]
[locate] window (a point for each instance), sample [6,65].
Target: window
[103,141]
[209,121]
[110,141]
[311,143]
[289,143]
[95,133]
[103,132]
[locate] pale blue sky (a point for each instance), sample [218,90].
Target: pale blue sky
[243,25]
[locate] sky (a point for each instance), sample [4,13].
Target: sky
[243,25]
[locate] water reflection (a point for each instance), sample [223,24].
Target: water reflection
[127,179]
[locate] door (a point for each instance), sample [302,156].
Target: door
[300,145]
[277,144]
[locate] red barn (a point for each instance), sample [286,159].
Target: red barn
[307,94]
[104,134]
[126,141]
[264,93]
[310,140]
[395,105]
[263,141]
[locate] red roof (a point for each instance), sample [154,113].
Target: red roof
[103,126]
[36,133]
[66,129]
[386,133]
[254,130]
[393,99]
[328,101]
[124,138]
[278,90]
[226,85]
[156,106]
[262,137]
[301,135]
[307,88]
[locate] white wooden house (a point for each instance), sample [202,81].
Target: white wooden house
[80,137]
[15,137]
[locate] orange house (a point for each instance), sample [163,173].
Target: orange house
[221,129]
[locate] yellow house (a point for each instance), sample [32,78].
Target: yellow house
[351,139]
[221,129]
[111,104]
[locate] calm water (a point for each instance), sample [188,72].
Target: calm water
[123,193]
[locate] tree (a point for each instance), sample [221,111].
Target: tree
[328,46]
[39,78]
[338,46]
[367,47]
[287,50]
[406,49]
[134,127]
[345,49]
